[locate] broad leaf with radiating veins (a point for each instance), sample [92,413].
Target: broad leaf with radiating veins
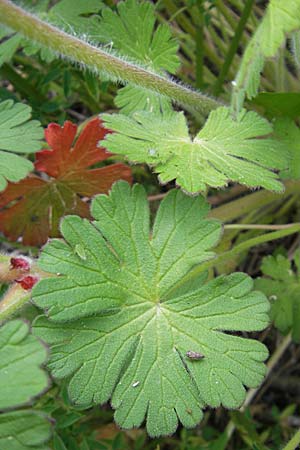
[121,325]
[131,31]
[226,149]
[32,208]
[18,134]
[282,286]
[21,357]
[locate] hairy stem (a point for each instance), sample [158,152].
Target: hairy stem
[98,60]
[13,300]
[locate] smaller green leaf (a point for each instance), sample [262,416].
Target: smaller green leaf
[13,168]
[21,357]
[24,430]
[281,18]
[77,17]
[132,32]
[224,150]
[18,134]
[8,48]
[282,285]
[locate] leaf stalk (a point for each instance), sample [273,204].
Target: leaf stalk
[98,60]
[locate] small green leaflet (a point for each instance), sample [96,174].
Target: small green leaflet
[289,134]
[77,17]
[281,18]
[21,357]
[24,430]
[18,134]
[282,286]
[120,331]
[132,32]
[224,150]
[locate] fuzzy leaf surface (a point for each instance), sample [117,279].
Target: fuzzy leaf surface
[132,32]
[24,430]
[282,286]
[33,207]
[18,134]
[21,357]
[224,150]
[120,331]
[281,18]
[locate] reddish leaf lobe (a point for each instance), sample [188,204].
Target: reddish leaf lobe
[32,208]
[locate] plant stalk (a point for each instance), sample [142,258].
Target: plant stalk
[233,46]
[12,301]
[258,226]
[99,60]
[237,208]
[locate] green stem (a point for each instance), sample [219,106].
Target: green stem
[13,300]
[233,46]
[293,443]
[199,46]
[227,256]
[246,245]
[97,59]
[237,208]
[258,226]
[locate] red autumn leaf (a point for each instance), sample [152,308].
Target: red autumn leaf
[32,208]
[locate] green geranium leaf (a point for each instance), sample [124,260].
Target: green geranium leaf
[281,18]
[132,31]
[9,47]
[129,335]
[78,17]
[224,150]
[21,357]
[18,134]
[24,430]
[282,285]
